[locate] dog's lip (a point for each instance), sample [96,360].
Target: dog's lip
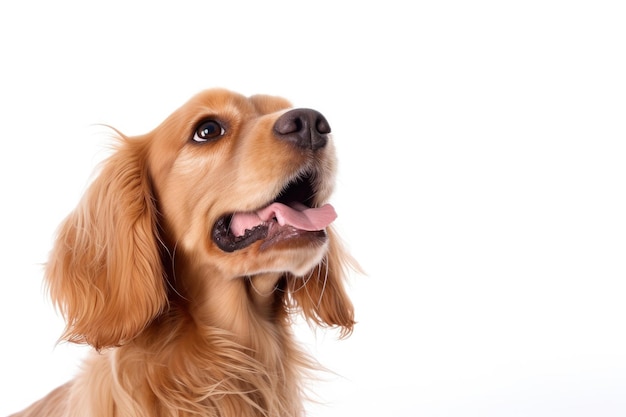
[275,223]
[226,241]
[288,236]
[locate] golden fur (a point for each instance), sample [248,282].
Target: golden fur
[179,326]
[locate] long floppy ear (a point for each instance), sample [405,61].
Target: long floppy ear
[104,272]
[324,300]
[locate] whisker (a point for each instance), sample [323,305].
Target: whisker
[325,263]
[172,257]
[304,282]
[256,290]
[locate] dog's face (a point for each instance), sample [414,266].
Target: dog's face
[221,159]
[226,187]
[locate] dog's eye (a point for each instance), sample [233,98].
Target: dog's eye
[208,130]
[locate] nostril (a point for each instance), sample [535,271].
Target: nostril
[298,124]
[322,125]
[290,122]
[305,128]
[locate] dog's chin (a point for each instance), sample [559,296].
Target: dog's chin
[298,260]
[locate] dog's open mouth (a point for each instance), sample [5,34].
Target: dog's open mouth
[291,215]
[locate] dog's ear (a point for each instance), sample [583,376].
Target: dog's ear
[104,272]
[323,299]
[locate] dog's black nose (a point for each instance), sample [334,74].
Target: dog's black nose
[305,128]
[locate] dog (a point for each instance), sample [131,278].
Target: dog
[188,256]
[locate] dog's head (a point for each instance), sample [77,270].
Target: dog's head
[242,182]
[235,186]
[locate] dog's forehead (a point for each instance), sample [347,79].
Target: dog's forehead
[219,100]
[266,104]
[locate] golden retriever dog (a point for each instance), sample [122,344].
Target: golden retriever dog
[188,256]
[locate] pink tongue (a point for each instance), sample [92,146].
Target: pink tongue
[298,215]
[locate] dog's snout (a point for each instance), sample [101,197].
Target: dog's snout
[304,128]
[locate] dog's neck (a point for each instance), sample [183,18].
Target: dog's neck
[234,326]
[246,307]
[262,291]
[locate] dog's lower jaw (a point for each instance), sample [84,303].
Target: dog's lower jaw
[302,257]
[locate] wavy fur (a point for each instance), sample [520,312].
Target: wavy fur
[180,327]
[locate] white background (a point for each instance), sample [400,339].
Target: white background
[482,181]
